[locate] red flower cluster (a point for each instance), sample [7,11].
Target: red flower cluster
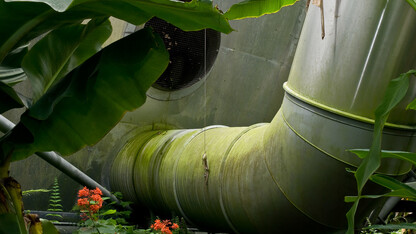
[89,202]
[164,226]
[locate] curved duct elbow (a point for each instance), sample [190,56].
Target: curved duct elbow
[275,176]
[244,179]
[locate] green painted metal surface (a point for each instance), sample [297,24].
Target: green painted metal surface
[367,43]
[257,174]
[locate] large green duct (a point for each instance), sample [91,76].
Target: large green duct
[288,175]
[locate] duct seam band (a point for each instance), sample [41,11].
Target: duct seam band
[313,145]
[344,156]
[175,168]
[282,190]
[340,112]
[136,157]
[224,158]
[159,154]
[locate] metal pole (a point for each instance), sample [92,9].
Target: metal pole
[61,164]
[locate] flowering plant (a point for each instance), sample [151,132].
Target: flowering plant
[164,226]
[89,202]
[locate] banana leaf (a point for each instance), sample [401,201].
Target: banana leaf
[62,50]
[256,8]
[9,98]
[88,102]
[21,21]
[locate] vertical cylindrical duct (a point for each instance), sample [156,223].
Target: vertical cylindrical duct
[288,175]
[367,43]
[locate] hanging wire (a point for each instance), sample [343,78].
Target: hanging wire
[204,156]
[205,87]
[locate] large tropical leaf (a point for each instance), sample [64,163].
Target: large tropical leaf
[21,21]
[84,105]
[48,227]
[61,51]
[9,98]
[412,105]
[12,76]
[256,8]
[10,224]
[15,57]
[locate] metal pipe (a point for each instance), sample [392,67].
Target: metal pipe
[61,164]
[288,175]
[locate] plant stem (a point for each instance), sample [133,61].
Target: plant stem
[93,221]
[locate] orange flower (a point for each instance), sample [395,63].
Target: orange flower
[82,202]
[164,226]
[90,202]
[97,191]
[83,192]
[97,198]
[94,208]
[166,230]
[175,226]
[157,225]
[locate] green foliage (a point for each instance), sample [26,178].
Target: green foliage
[48,227]
[55,202]
[105,80]
[256,8]
[11,207]
[119,211]
[412,105]
[407,156]
[10,224]
[183,228]
[33,191]
[54,56]
[33,17]
[371,161]
[395,223]
[70,81]
[101,88]
[10,98]
[412,3]
[80,89]
[392,227]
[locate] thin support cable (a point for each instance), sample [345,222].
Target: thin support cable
[204,156]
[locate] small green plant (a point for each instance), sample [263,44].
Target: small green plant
[371,158]
[55,202]
[89,203]
[122,207]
